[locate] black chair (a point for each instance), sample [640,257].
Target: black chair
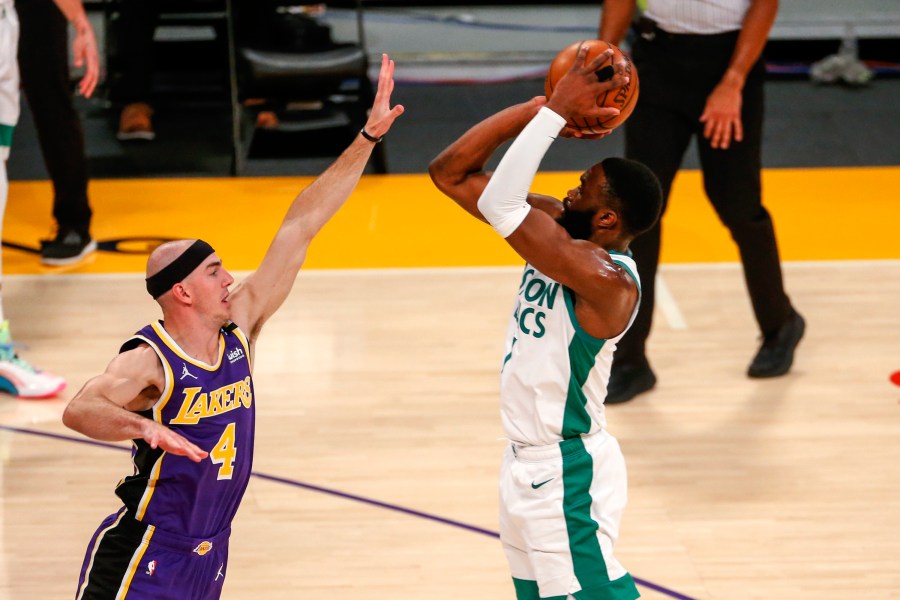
[296,72]
[191,64]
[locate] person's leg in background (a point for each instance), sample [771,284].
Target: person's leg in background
[732,179]
[657,134]
[17,377]
[134,43]
[44,59]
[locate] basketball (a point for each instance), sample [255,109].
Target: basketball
[623,98]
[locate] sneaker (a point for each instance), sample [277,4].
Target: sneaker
[69,246]
[19,378]
[135,123]
[627,380]
[776,355]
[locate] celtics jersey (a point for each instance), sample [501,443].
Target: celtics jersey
[213,407]
[554,374]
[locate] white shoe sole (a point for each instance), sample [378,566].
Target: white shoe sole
[90,248]
[147,136]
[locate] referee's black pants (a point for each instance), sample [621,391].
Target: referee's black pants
[44,72]
[677,73]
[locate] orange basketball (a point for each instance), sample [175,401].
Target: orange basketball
[623,98]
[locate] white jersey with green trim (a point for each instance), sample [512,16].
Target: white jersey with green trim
[554,374]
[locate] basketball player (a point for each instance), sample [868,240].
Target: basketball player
[181,389]
[563,480]
[17,377]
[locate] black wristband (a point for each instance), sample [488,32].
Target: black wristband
[370,137]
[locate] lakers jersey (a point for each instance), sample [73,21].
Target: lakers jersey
[554,374]
[212,406]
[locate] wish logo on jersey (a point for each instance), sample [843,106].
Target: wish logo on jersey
[539,292]
[235,355]
[198,404]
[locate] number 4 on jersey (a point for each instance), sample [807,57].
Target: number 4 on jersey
[224,452]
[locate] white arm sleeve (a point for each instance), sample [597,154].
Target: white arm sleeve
[503,203]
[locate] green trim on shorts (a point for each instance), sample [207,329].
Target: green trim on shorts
[622,588]
[6,132]
[587,557]
[528,590]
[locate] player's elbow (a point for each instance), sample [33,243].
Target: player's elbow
[437,170]
[71,415]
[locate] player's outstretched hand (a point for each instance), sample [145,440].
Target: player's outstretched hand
[159,436]
[382,115]
[576,92]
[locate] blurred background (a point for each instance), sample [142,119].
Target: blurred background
[455,65]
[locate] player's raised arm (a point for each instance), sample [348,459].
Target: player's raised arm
[254,301]
[573,245]
[104,409]
[458,171]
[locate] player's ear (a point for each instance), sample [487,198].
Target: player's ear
[181,293]
[606,218]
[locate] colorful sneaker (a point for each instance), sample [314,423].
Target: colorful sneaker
[19,378]
[69,246]
[135,122]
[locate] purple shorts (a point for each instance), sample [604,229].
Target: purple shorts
[127,557]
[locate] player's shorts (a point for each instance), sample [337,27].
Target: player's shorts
[127,558]
[560,508]
[9,75]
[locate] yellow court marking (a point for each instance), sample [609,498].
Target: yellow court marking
[397,221]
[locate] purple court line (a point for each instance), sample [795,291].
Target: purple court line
[338,494]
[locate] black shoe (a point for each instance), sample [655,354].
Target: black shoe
[776,354]
[69,246]
[628,380]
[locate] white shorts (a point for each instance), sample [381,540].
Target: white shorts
[560,508]
[9,74]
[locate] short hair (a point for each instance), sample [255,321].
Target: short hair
[636,190]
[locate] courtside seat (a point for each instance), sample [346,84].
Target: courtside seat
[319,89]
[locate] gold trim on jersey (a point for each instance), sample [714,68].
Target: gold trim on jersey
[135,561]
[87,572]
[174,347]
[166,392]
[244,342]
[151,487]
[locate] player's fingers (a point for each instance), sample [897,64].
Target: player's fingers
[197,454]
[612,83]
[605,112]
[599,60]
[580,57]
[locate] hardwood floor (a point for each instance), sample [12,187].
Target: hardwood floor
[378,440]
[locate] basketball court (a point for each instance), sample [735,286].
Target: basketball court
[379,441]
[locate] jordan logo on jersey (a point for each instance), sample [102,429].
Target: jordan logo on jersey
[185,372]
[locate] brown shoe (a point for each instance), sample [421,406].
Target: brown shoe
[267,119]
[135,123]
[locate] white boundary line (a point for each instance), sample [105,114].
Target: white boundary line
[666,303]
[825,264]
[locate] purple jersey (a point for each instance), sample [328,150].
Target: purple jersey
[212,406]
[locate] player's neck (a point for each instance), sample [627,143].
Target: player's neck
[199,338]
